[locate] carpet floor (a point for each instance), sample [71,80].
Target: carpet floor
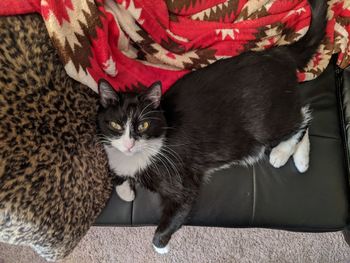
[197,244]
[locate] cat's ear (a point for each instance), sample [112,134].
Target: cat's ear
[154,93]
[108,96]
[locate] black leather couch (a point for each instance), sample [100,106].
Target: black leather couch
[262,196]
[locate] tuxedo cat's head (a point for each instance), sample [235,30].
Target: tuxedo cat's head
[131,122]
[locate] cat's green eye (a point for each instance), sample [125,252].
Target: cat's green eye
[115,126]
[143,126]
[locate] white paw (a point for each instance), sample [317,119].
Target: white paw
[125,192]
[301,156]
[302,164]
[279,156]
[161,250]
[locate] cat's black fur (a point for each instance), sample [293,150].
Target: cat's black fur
[219,114]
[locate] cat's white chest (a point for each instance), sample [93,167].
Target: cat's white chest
[124,165]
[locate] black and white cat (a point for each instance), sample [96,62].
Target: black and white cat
[228,113]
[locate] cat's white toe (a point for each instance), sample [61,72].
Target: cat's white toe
[125,192]
[302,164]
[161,250]
[279,157]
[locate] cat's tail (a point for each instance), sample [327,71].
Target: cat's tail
[304,49]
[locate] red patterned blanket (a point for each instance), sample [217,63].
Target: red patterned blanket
[136,42]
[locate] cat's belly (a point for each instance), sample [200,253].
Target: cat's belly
[246,161]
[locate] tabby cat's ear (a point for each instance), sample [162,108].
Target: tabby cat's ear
[154,93]
[108,96]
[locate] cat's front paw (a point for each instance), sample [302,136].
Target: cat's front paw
[125,192]
[161,250]
[161,242]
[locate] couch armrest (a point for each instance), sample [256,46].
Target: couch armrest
[343,88]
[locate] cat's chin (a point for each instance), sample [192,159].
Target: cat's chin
[129,154]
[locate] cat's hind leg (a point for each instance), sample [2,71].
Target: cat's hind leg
[301,156]
[283,151]
[300,149]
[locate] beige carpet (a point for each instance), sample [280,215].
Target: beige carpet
[197,245]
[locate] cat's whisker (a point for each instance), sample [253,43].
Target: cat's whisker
[179,144]
[159,158]
[172,164]
[151,111]
[147,113]
[145,108]
[147,174]
[155,165]
[173,154]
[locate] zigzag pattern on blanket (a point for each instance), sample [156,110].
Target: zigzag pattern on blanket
[136,42]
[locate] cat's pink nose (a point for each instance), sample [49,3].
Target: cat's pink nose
[129,144]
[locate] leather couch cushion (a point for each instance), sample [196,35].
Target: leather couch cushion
[262,196]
